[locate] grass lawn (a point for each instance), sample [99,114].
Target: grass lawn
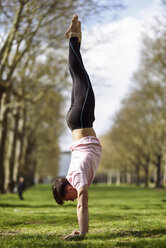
[119,217]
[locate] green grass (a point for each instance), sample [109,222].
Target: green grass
[119,217]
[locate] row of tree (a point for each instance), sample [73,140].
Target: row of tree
[32,78]
[135,147]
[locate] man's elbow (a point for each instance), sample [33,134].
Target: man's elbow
[82,205]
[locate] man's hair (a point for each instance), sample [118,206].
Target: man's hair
[59,188]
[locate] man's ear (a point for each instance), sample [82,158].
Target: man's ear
[70,187]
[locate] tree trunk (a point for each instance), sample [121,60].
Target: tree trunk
[16,164]
[147,172]
[138,180]
[3,136]
[164,175]
[28,170]
[128,177]
[2,110]
[9,140]
[109,176]
[159,182]
[19,144]
[13,152]
[22,136]
[146,176]
[117,177]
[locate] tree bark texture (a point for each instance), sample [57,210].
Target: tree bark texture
[159,182]
[13,151]
[4,130]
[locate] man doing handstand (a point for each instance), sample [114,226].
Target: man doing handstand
[86,149]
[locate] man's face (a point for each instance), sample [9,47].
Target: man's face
[71,194]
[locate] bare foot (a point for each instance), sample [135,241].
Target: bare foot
[74,29]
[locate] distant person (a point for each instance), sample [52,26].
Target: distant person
[86,149]
[21,188]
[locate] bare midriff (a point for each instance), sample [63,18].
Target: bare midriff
[83,132]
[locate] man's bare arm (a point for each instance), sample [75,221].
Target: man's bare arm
[82,214]
[82,210]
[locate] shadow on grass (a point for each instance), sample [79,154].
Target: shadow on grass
[138,234]
[142,244]
[7,205]
[36,241]
[53,240]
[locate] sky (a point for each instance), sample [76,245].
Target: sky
[111,55]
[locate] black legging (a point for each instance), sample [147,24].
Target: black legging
[81,112]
